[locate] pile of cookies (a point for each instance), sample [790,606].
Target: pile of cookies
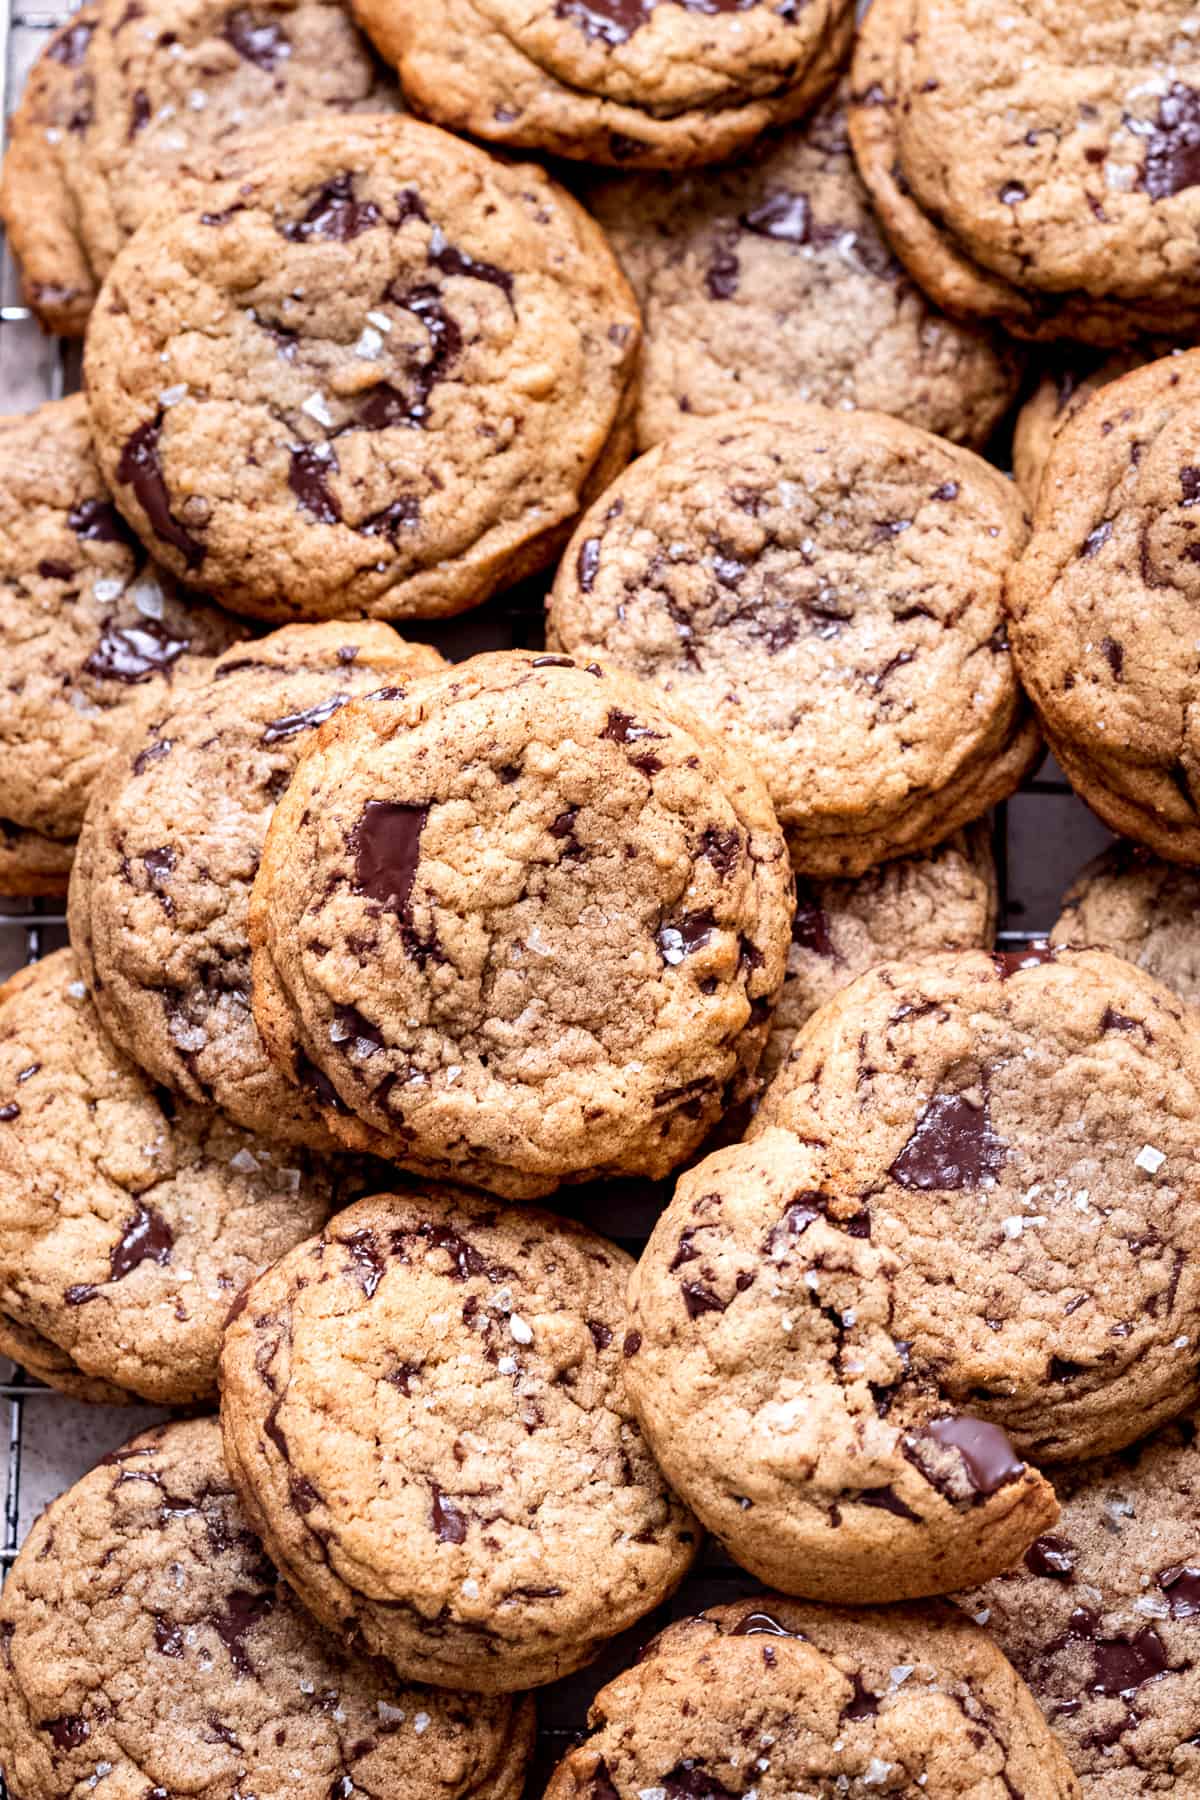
[371,949]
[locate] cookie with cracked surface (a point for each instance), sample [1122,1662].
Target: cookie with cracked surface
[527,923]
[97,640]
[1101,1618]
[1105,605]
[826,589]
[128,1223]
[772,279]
[147,1643]
[160,894]
[625,82]
[125,101]
[374,371]
[943,899]
[794,1390]
[33,866]
[912,1703]
[1141,908]
[1059,395]
[1026,1120]
[425,1412]
[1044,177]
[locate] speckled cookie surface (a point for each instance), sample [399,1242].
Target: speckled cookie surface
[943,899]
[1143,909]
[374,371]
[160,893]
[1043,175]
[826,590]
[125,101]
[425,1411]
[1101,1618]
[633,82]
[1054,402]
[780,1700]
[148,1646]
[1105,605]
[96,639]
[528,924]
[785,1365]
[129,1223]
[1028,1121]
[772,280]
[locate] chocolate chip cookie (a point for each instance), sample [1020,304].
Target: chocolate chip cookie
[772,280]
[1056,399]
[125,101]
[1043,173]
[424,1410]
[960,1236]
[826,589]
[161,889]
[632,82]
[1101,1617]
[1105,605]
[522,925]
[943,899]
[769,1698]
[97,640]
[1141,908]
[147,1646]
[376,371]
[33,865]
[129,1222]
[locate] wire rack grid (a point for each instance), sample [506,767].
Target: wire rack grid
[1041,837]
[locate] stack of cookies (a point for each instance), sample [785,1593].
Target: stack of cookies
[377,941]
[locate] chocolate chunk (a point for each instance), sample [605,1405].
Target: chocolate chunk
[367,1258]
[1012,193]
[9,1111]
[317,1082]
[309,469]
[1173,147]
[864,1704]
[615,21]
[723,849]
[761,1624]
[98,521]
[689,1781]
[632,1343]
[587,563]
[622,728]
[334,214]
[140,467]
[722,274]
[1181,1584]
[278,731]
[1011,962]
[391,521]
[810,923]
[886,1499]
[1051,1557]
[1114,655]
[50,570]
[1096,538]
[242,1612]
[258,39]
[70,46]
[952,1146]
[601,1333]
[445,345]
[990,1460]
[139,113]
[1121,1665]
[450,260]
[698,1298]
[352,1030]
[168,1637]
[146,1237]
[153,753]
[786,217]
[449,1524]
[134,653]
[688,934]
[68,1731]
[387,845]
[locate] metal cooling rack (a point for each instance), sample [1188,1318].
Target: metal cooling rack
[1042,835]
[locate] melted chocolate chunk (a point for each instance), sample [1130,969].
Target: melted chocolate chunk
[70,46]
[1051,1557]
[761,1624]
[697,1298]
[278,731]
[465,1259]
[450,1525]
[356,1032]
[134,653]
[146,1237]
[450,260]
[402,515]
[309,469]
[334,214]
[317,1082]
[587,563]
[9,1111]
[622,728]
[864,1704]
[243,1610]
[367,1258]
[786,217]
[601,1333]
[952,1146]
[810,924]
[256,38]
[68,1731]
[1096,538]
[1173,146]
[386,406]
[1181,1585]
[168,1637]
[688,934]
[387,845]
[139,113]
[97,521]
[989,1458]
[615,21]
[1011,962]
[1121,1665]
[50,570]
[688,1781]
[886,1499]
[140,467]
